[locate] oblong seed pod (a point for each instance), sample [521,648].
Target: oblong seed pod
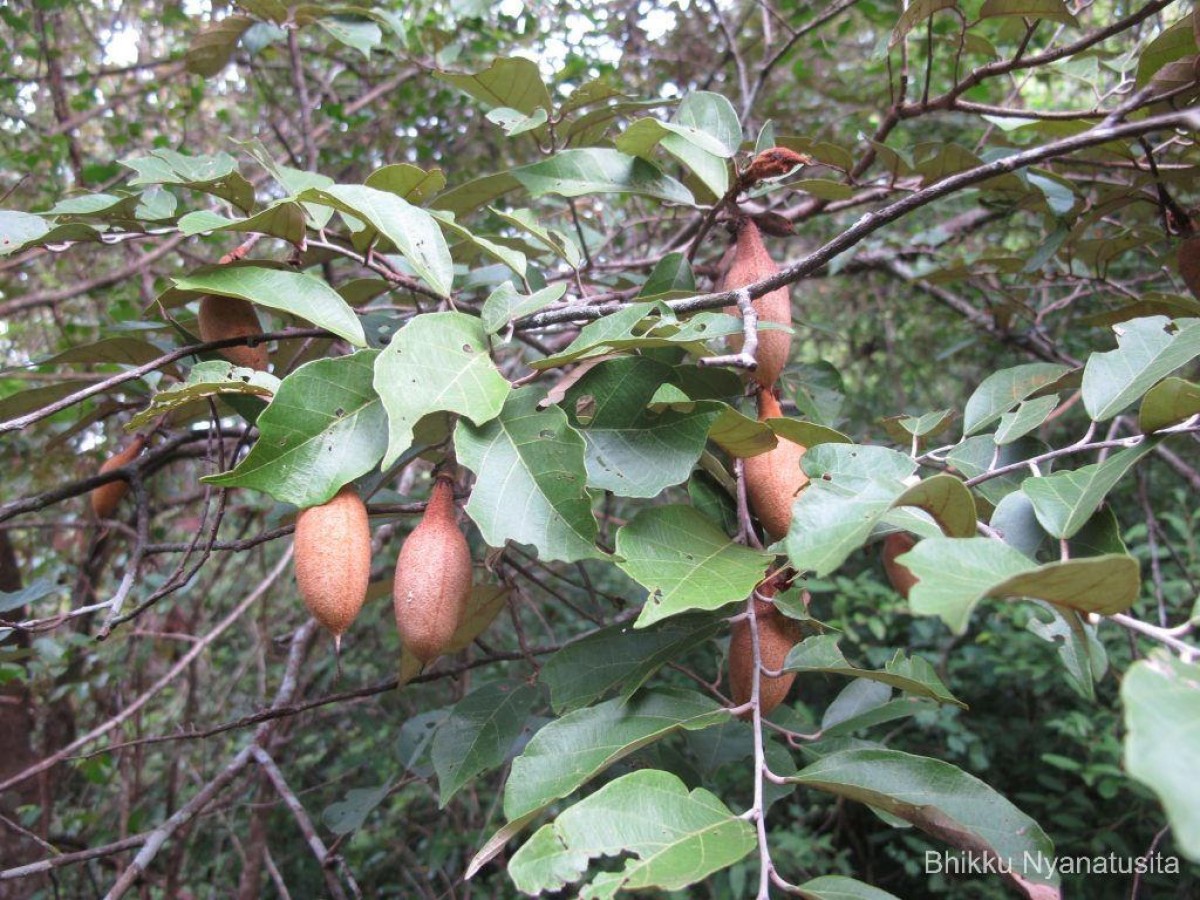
[222,318]
[333,559]
[107,497]
[777,635]
[774,479]
[433,578]
[1188,254]
[752,263]
[901,577]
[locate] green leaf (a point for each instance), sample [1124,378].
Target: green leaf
[678,838]
[852,487]
[943,801]
[956,573]
[123,351]
[476,193]
[206,379]
[213,47]
[625,329]
[552,239]
[1168,403]
[1064,501]
[216,174]
[741,436]
[298,293]
[413,231]
[1001,391]
[575,173]
[514,82]
[19,229]
[409,182]
[622,658]
[284,219]
[348,815]
[437,362]
[1079,650]
[10,600]
[821,653]
[685,562]
[514,122]
[1102,584]
[505,304]
[357,34]
[514,259]
[1146,353]
[945,498]
[1054,10]
[530,479]
[839,887]
[1024,419]
[479,733]
[806,434]
[1016,523]
[671,273]
[1161,696]
[323,429]
[914,14]
[634,451]
[569,752]
[980,454]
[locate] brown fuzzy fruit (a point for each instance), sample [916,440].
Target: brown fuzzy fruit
[777,635]
[107,497]
[901,577]
[433,578]
[774,479]
[1188,254]
[772,163]
[333,559]
[222,318]
[752,263]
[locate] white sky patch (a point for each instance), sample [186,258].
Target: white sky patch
[121,47]
[511,8]
[658,22]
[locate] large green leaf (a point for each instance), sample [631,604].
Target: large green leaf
[1147,351]
[946,499]
[437,362]
[678,838]
[530,479]
[945,802]
[478,734]
[298,293]
[820,653]
[284,219]
[207,379]
[414,232]
[1161,696]
[685,562]
[322,430]
[217,174]
[576,173]
[852,487]
[568,752]
[624,329]
[839,887]
[956,573]
[1169,402]
[620,658]
[632,450]
[1001,391]
[514,82]
[213,47]
[1064,501]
